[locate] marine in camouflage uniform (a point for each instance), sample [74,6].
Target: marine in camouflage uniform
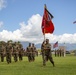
[15,52]
[1,52]
[47,53]
[20,52]
[8,52]
[33,52]
[58,52]
[29,52]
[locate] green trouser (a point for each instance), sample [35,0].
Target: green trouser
[2,57]
[8,58]
[20,57]
[44,58]
[29,57]
[15,57]
[33,56]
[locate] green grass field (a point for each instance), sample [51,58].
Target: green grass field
[63,66]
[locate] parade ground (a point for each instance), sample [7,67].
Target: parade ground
[63,66]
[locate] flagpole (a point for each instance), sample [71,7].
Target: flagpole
[44,21]
[44,34]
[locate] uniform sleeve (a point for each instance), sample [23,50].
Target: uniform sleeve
[49,46]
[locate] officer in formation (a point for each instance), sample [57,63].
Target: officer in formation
[15,52]
[2,51]
[33,52]
[59,53]
[20,51]
[30,51]
[46,52]
[10,48]
[8,52]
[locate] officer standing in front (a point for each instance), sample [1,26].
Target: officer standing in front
[48,54]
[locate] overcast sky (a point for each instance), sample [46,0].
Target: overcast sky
[20,20]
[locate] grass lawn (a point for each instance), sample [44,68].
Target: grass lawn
[63,66]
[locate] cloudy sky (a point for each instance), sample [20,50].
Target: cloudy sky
[20,20]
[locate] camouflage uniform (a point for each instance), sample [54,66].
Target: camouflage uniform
[29,52]
[21,54]
[8,52]
[1,52]
[43,52]
[47,53]
[15,53]
[20,51]
[33,52]
[58,52]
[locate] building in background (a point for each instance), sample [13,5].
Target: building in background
[63,48]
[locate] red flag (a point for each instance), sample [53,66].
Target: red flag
[55,45]
[47,25]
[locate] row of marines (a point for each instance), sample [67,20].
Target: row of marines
[16,50]
[59,52]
